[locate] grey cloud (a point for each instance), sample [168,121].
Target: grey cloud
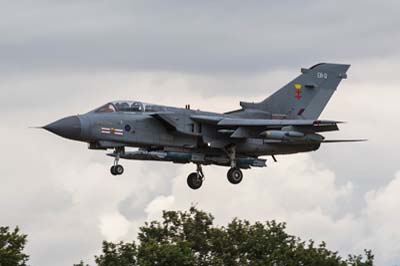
[204,37]
[132,207]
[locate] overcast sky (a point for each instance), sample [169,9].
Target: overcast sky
[59,58]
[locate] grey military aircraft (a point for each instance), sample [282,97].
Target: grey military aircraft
[284,123]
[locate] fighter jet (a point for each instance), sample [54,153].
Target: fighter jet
[286,122]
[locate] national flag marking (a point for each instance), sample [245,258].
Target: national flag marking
[105,130]
[114,131]
[119,132]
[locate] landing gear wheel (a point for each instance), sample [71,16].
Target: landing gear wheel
[112,170]
[235,176]
[119,169]
[194,181]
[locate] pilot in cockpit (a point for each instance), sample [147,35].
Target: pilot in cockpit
[121,107]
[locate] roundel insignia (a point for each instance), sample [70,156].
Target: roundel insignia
[298,91]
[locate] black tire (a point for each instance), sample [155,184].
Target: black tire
[112,170]
[229,173]
[194,181]
[235,176]
[119,169]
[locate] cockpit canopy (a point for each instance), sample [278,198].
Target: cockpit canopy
[128,106]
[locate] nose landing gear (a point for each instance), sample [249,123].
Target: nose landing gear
[117,169]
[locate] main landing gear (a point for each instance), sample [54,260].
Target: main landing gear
[117,169]
[195,179]
[235,175]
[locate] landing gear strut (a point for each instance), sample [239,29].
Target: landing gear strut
[195,179]
[117,169]
[234,174]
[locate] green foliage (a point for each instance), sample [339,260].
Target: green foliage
[81,264]
[358,260]
[12,244]
[117,254]
[190,238]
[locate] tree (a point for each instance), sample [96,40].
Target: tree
[12,244]
[117,254]
[190,238]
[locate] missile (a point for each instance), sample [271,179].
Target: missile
[188,157]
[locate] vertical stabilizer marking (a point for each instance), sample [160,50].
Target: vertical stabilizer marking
[298,91]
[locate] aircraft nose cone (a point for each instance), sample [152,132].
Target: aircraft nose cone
[69,127]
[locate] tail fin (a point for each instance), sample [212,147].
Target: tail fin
[307,95]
